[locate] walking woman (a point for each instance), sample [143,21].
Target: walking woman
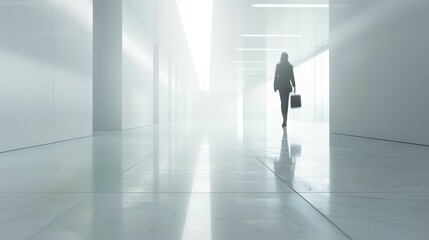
[284,80]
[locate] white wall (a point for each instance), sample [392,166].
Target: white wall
[123,93]
[138,44]
[137,70]
[46,73]
[73,68]
[107,65]
[164,87]
[176,70]
[378,53]
[181,91]
[174,61]
[173,92]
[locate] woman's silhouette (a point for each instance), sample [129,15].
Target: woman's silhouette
[283,79]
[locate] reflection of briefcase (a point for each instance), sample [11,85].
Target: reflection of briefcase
[295,100]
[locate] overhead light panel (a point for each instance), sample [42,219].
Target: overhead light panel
[264,5]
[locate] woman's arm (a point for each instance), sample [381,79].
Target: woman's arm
[292,79]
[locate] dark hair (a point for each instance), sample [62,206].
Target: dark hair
[284,57]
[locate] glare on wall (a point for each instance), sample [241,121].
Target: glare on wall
[82,8]
[131,48]
[197,18]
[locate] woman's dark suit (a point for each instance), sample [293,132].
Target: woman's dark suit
[283,79]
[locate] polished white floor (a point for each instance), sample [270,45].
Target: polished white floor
[214,180]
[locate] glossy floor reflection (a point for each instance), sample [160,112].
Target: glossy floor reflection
[216,181]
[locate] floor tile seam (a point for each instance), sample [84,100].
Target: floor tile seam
[250,193]
[59,216]
[202,192]
[420,170]
[89,192]
[83,200]
[64,170]
[122,173]
[202,170]
[302,197]
[381,140]
[363,192]
[292,191]
[205,193]
[35,147]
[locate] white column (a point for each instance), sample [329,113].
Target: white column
[107,65]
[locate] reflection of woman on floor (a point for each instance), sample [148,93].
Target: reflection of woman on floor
[285,166]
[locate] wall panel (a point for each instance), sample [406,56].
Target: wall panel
[26,75]
[46,74]
[378,54]
[137,70]
[107,99]
[73,69]
[164,87]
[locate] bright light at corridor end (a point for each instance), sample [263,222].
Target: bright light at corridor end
[197,19]
[264,5]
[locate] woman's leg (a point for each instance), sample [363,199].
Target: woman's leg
[284,98]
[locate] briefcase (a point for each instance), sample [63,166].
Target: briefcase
[295,100]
